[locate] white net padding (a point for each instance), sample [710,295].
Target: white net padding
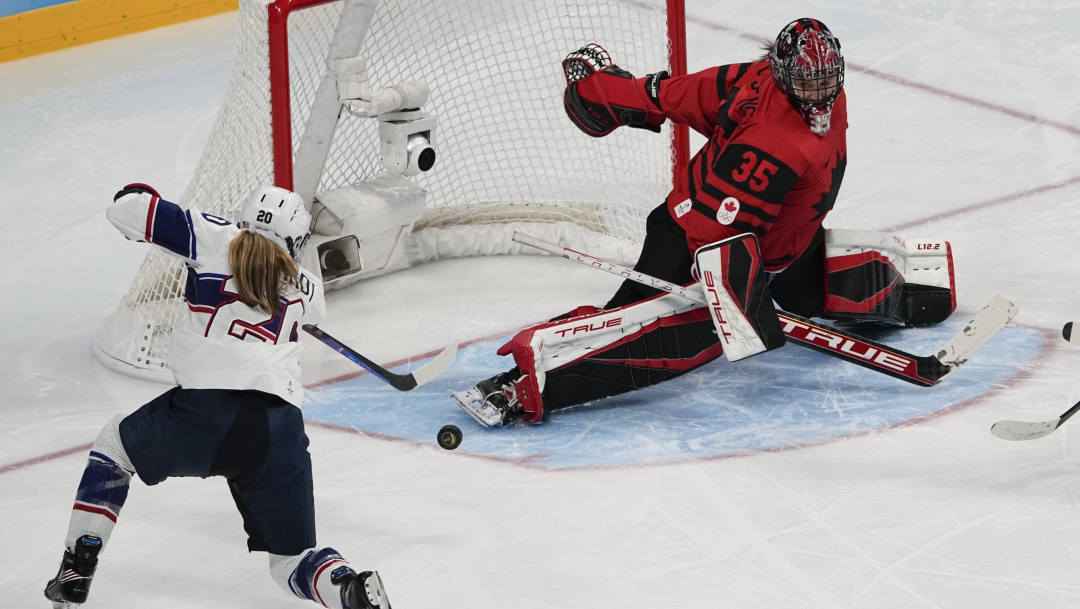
[508,157]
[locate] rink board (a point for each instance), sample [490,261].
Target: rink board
[783,399]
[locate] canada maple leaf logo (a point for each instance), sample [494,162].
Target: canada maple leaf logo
[729,209]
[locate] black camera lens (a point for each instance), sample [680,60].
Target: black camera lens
[426,160]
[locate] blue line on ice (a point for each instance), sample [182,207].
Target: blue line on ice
[781,399]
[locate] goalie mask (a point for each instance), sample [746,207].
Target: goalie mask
[808,67]
[280,216]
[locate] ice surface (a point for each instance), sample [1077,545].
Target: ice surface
[965,123]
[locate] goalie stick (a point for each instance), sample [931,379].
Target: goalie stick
[922,370]
[401,382]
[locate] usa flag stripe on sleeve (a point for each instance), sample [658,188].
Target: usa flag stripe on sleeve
[191,230]
[172,228]
[149,232]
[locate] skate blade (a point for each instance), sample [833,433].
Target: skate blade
[473,403]
[65,605]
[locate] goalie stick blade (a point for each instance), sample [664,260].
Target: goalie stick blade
[967,342]
[1019,430]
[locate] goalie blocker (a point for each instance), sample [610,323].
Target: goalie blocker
[741,307]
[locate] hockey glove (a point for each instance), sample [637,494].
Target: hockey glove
[130,188]
[601,96]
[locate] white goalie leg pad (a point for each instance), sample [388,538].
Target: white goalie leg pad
[549,346]
[733,278]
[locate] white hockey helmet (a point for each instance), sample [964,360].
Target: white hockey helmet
[279,215]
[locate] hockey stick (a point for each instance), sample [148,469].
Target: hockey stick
[922,370]
[401,382]
[1019,430]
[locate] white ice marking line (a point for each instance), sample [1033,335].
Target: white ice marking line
[963,527]
[882,569]
[739,527]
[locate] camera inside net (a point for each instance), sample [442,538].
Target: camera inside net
[407,142]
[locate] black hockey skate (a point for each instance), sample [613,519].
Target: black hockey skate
[493,401]
[71,585]
[360,591]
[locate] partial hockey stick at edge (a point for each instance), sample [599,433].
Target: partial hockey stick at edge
[401,382]
[1067,334]
[1019,430]
[922,370]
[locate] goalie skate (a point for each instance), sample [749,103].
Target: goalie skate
[492,401]
[472,402]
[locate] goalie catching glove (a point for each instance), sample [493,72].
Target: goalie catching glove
[601,96]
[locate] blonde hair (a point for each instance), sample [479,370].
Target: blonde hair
[262,270]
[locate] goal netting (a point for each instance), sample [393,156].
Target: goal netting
[508,157]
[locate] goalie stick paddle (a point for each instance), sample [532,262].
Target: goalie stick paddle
[922,370]
[1019,430]
[401,382]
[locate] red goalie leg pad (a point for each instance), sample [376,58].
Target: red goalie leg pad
[528,387]
[570,361]
[864,285]
[525,356]
[644,355]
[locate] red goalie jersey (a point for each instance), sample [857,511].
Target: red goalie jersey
[762,171]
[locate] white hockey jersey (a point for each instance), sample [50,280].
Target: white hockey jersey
[218,341]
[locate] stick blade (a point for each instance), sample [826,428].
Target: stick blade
[435,367]
[984,326]
[1019,430]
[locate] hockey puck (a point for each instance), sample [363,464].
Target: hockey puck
[449,437]
[1067,331]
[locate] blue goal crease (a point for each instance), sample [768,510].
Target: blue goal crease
[782,399]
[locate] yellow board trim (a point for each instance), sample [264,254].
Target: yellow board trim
[84,21]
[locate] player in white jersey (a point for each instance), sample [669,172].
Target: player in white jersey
[235,413]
